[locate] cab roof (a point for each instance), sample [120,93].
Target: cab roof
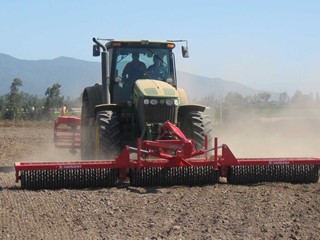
[140,43]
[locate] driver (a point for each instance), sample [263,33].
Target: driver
[157,70]
[134,69]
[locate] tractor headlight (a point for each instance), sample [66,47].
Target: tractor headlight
[146,101]
[176,102]
[169,102]
[153,101]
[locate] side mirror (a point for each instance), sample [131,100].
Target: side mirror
[185,51]
[96,50]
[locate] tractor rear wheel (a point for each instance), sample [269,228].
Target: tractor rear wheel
[87,131]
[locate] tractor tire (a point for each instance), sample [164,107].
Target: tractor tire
[87,132]
[109,137]
[196,125]
[108,141]
[91,97]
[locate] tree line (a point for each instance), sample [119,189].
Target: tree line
[235,106]
[18,105]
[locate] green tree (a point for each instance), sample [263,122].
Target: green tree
[262,97]
[53,100]
[234,99]
[14,99]
[32,106]
[301,99]
[2,106]
[284,98]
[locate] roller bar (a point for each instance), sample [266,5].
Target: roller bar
[166,162]
[159,176]
[273,173]
[152,167]
[72,178]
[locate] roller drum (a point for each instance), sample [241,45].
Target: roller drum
[274,173]
[73,178]
[161,176]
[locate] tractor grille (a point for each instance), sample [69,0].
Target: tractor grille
[158,113]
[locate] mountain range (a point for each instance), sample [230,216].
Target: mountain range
[74,75]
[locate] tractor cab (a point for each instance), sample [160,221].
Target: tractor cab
[129,61]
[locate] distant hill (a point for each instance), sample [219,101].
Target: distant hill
[37,76]
[198,86]
[74,75]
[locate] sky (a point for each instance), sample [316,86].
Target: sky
[265,44]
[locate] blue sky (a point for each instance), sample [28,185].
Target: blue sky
[270,45]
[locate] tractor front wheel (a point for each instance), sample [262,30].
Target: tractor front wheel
[196,125]
[108,135]
[108,141]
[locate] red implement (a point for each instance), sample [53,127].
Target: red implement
[179,152]
[67,132]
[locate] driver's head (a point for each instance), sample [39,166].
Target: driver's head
[135,55]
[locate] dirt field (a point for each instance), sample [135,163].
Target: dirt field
[222,211]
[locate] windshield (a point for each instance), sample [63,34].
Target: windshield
[142,63]
[131,64]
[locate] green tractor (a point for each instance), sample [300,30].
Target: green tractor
[138,94]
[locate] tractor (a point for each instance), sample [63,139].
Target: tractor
[124,108]
[137,126]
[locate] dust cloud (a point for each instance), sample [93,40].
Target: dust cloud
[293,134]
[49,153]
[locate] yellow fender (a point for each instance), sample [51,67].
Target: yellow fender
[183,98]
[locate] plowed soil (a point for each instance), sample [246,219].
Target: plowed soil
[222,211]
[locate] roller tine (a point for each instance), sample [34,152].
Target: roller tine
[88,179]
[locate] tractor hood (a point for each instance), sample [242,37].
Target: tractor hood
[154,88]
